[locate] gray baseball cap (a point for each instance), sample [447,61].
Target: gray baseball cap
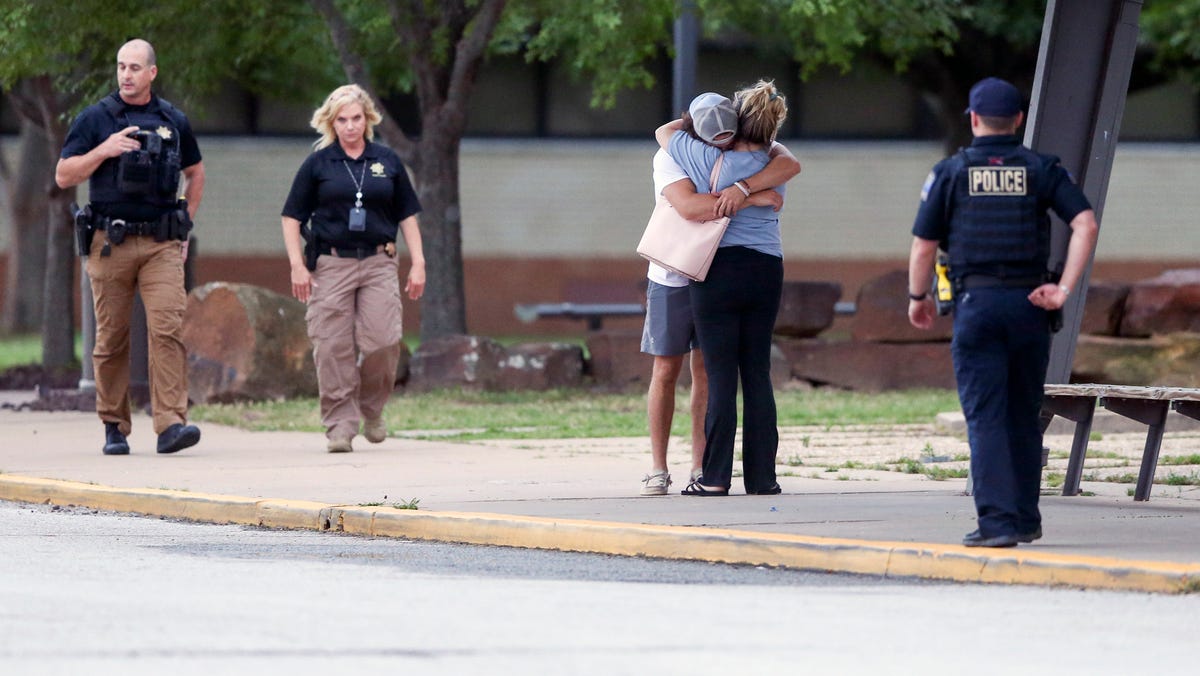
[712,116]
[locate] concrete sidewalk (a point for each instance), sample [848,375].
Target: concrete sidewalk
[582,495]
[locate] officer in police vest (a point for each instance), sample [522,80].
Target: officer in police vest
[986,206]
[131,148]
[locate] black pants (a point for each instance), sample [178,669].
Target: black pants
[1001,348]
[734,310]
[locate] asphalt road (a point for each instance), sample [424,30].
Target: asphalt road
[83,592]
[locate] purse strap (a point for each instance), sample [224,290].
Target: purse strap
[716,173]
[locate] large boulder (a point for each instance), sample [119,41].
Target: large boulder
[871,367]
[541,366]
[1165,304]
[1171,361]
[617,361]
[471,362]
[881,314]
[806,308]
[1103,309]
[245,342]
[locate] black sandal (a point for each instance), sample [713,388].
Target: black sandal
[696,488]
[773,489]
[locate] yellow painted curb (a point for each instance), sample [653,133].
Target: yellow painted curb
[890,559]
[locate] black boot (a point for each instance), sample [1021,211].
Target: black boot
[114,441]
[178,437]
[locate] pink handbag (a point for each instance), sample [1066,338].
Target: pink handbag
[680,245]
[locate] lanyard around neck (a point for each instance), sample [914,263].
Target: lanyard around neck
[358,184]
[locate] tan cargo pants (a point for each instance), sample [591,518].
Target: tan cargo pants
[354,322]
[155,269]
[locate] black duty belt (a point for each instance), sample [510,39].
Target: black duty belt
[359,252]
[144,228]
[989,281]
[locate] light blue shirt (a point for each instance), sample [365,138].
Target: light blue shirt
[753,227]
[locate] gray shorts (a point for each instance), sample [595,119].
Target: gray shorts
[669,330]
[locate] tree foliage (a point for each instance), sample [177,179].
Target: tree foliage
[1171,32]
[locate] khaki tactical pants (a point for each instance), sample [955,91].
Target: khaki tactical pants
[354,322]
[156,270]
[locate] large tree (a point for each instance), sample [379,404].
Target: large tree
[435,49]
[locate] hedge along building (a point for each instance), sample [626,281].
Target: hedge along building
[555,194]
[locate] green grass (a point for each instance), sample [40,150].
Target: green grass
[25,350]
[20,351]
[576,413]
[1193,459]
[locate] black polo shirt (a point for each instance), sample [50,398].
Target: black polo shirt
[95,124]
[324,188]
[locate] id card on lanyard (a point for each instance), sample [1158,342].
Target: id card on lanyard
[357,221]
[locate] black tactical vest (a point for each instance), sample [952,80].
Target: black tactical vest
[999,225]
[149,175]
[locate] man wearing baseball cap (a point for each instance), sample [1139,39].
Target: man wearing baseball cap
[986,206]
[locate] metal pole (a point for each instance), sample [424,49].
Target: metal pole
[1079,91]
[687,47]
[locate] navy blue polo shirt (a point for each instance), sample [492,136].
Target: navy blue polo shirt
[95,124]
[1056,189]
[324,188]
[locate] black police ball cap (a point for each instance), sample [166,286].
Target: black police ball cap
[993,97]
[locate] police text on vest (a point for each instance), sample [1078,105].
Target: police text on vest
[1006,181]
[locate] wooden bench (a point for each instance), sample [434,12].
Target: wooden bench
[593,313]
[1147,405]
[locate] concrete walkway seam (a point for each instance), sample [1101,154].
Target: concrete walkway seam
[882,558]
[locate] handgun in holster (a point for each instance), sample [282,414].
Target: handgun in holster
[311,247]
[84,230]
[943,288]
[179,222]
[1054,317]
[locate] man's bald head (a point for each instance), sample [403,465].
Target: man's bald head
[136,71]
[139,47]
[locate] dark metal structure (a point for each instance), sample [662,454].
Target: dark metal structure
[1078,99]
[687,50]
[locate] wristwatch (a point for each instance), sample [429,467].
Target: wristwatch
[918,296]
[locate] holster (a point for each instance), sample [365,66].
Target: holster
[84,230]
[178,224]
[312,247]
[1054,317]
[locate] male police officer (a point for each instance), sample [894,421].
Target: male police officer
[131,147]
[986,206]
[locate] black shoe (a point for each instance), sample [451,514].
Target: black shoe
[1026,538]
[696,488]
[178,437]
[773,489]
[114,441]
[977,539]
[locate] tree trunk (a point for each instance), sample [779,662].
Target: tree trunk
[58,322]
[443,308]
[28,215]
